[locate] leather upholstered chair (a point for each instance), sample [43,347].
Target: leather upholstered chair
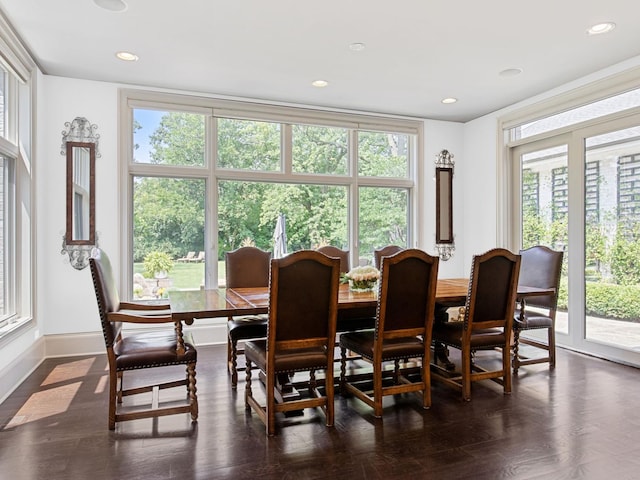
[154,349]
[384,252]
[487,324]
[353,318]
[540,268]
[303,303]
[404,321]
[246,267]
[335,252]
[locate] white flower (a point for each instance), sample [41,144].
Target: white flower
[362,274]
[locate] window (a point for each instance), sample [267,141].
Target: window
[7,238]
[212,176]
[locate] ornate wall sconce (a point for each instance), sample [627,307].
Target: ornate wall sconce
[80,146]
[445,245]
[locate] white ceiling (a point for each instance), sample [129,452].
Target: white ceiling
[417,51]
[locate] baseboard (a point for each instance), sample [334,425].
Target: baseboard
[77,344]
[16,372]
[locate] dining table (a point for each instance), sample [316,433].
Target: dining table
[189,305]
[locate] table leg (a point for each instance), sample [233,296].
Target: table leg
[440,350]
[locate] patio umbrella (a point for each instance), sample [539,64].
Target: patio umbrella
[280,237]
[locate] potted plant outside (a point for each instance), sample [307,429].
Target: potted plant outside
[157,265]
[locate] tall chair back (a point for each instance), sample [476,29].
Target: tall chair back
[384,252]
[247,267]
[335,252]
[106,295]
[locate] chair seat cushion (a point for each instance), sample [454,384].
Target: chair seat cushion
[362,343]
[532,320]
[152,349]
[289,360]
[250,326]
[451,334]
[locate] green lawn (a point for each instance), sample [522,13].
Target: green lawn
[186,275]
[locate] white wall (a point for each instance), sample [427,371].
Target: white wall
[65,295]
[440,136]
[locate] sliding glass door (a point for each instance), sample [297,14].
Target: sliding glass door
[580,192]
[612,238]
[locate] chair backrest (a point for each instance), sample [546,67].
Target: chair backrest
[492,290]
[106,294]
[541,268]
[407,293]
[384,252]
[303,301]
[247,267]
[335,252]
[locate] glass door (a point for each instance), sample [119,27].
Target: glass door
[612,239]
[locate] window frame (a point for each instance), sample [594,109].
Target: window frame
[212,109]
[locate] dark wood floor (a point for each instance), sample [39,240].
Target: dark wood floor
[579,421]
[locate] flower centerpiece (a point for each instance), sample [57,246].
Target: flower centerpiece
[362,279]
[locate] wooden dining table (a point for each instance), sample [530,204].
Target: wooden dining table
[188,305]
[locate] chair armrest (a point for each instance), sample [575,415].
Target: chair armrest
[143,306]
[128,317]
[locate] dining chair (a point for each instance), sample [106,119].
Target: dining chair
[151,349]
[335,252]
[404,321]
[245,267]
[354,318]
[540,267]
[487,322]
[384,252]
[303,304]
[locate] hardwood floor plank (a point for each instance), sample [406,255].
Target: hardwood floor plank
[577,421]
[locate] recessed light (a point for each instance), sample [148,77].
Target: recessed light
[600,28]
[510,72]
[111,5]
[357,47]
[320,83]
[449,100]
[127,56]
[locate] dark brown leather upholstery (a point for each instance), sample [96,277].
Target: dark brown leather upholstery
[352,319]
[384,252]
[335,252]
[541,267]
[246,267]
[488,320]
[406,307]
[140,350]
[303,304]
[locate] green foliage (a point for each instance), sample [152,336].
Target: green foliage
[169,214]
[625,255]
[155,262]
[607,300]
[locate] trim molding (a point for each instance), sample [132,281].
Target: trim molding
[77,344]
[16,372]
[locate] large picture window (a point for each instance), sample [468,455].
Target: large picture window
[210,177]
